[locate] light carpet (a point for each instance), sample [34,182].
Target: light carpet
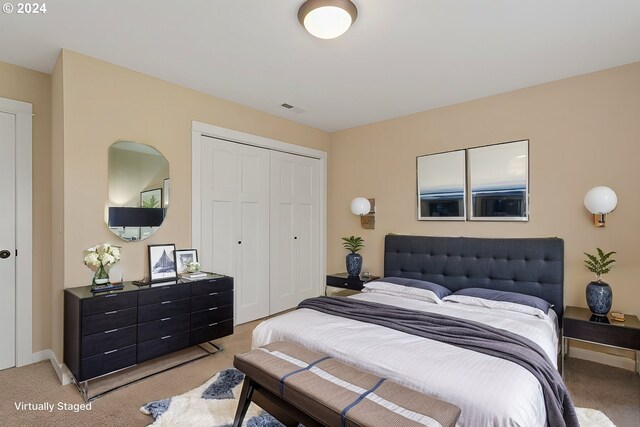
[214,404]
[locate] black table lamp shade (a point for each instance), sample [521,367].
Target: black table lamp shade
[135,217]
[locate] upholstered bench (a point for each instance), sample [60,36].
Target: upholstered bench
[296,384]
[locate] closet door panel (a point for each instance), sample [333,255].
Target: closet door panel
[219,199]
[307,225]
[294,230]
[235,221]
[252,293]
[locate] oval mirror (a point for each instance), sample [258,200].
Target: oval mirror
[138,190]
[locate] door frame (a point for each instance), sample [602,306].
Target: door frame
[24,233]
[199,129]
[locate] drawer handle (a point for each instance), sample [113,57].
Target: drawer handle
[214,308]
[164,338]
[110,330]
[166,318]
[110,351]
[213,293]
[166,302]
[165,287]
[213,324]
[111,312]
[111,295]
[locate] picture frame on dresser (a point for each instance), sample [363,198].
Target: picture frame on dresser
[184,257]
[162,263]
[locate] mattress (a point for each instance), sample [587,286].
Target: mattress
[490,391]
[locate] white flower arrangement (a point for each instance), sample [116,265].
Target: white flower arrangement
[193,267]
[101,256]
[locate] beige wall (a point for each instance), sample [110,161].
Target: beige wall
[35,88]
[583,132]
[104,103]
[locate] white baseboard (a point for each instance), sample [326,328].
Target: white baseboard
[61,369]
[604,358]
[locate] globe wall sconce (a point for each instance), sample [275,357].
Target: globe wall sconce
[366,210]
[600,201]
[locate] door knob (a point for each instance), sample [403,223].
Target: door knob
[4,254]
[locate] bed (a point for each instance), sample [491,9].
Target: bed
[489,390]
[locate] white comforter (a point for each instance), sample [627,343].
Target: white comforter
[490,391]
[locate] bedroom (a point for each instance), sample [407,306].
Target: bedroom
[582,129]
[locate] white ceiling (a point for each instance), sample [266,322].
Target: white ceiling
[400,56]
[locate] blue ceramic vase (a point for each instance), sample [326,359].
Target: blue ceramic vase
[599,297]
[354,264]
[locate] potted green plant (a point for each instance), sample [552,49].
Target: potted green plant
[354,260]
[599,293]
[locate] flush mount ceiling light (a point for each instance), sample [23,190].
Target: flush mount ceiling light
[327,19]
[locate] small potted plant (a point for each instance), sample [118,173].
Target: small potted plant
[599,293]
[354,260]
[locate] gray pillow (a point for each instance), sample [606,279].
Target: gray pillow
[439,290]
[513,297]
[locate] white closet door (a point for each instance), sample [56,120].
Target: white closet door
[235,221]
[294,229]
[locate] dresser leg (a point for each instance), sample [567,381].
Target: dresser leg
[638,362]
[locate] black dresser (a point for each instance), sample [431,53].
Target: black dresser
[105,332]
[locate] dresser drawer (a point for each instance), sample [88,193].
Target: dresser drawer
[108,340]
[109,302]
[109,361]
[160,328]
[147,313]
[163,293]
[212,299]
[166,344]
[214,285]
[211,332]
[212,315]
[110,320]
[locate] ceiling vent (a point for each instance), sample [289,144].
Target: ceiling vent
[292,108]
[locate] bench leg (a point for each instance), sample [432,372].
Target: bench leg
[243,401]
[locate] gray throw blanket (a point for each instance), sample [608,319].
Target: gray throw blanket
[465,334]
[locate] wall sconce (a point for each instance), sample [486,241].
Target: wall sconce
[366,209]
[600,201]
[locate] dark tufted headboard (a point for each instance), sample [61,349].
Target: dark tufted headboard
[528,266]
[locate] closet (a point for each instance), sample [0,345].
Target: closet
[260,223]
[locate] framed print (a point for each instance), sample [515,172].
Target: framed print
[162,265]
[151,198]
[184,257]
[442,186]
[499,182]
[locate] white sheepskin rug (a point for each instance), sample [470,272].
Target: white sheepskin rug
[212,404]
[593,418]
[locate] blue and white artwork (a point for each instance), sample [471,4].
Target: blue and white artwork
[441,186]
[499,182]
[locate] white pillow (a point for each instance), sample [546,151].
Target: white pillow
[501,305]
[386,288]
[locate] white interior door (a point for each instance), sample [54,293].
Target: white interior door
[295,225]
[7,240]
[235,221]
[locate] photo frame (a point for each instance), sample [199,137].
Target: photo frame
[151,198]
[442,186]
[184,256]
[162,263]
[499,182]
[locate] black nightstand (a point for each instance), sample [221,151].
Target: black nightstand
[343,281]
[580,324]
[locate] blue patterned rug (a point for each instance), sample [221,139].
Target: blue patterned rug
[213,404]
